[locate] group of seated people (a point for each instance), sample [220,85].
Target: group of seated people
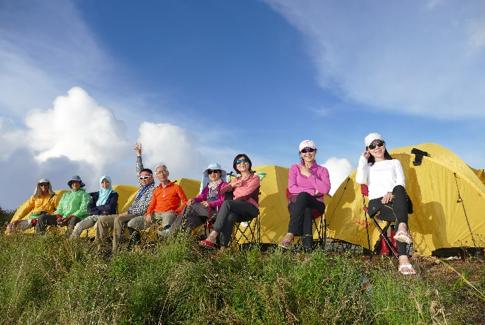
[167,206]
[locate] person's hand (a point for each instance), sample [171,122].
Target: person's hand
[304,171]
[387,198]
[366,154]
[149,218]
[138,149]
[236,183]
[12,226]
[205,203]
[190,202]
[62,221]
[316,193]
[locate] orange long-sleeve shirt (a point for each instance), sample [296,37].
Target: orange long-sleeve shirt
[167,198]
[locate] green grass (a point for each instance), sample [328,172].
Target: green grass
[51,280]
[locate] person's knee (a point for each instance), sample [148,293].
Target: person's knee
[398,189]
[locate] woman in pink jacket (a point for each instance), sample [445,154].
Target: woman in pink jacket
[308,182]
[243,207]
[203,206]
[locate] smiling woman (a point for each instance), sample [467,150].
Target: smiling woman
[385,179]
[308,182]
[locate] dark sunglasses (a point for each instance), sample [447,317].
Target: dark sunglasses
[305,150]
[144,177]
[213,171]
[244,160]
[43,184]
[373,145]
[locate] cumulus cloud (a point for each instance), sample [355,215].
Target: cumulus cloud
[339,169]
[170,145]
[415,57]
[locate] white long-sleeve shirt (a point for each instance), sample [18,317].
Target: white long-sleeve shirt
[381,177]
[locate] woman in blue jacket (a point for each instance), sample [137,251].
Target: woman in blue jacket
[103,203]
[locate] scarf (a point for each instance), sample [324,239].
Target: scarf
[214,184]
[104,193]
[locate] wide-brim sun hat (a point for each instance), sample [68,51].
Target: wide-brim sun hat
[214,166]
[75,178]
[371,137]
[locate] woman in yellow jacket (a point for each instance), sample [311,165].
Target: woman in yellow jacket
[44,201]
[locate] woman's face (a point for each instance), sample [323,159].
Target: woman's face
[242,164]
[44,187]
[105,184]
[214,175]
[75,185]
[377,149]
[308,154]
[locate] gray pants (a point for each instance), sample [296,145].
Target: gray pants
[165,219]
[230,213]
[116,223]
[82,225]
[191,216]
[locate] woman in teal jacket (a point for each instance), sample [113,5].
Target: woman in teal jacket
[72,207]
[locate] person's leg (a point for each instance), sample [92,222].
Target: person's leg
[230,213]
[301,216]
[138,223]
[102,227]
[88,222]
[307,227]
[164,219]
[71,224]
[118,228]
[197,216]
[400,206]
[43,221]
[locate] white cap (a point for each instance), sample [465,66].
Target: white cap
[307,144]
[371,137]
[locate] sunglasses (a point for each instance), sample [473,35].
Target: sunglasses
[43,184]
[213,171]
[373,145]
[141,178]
[305,150]
[244,160]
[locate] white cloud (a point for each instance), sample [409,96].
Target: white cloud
[339,169]
[410,57]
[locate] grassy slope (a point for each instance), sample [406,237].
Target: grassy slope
[48,279]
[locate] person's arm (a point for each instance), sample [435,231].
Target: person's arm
[321,181]
[110,206]
[152,204]
[227,188]
[92,208]
[83,206]
[292,176]
[202,196]
[400,179]
[61,207]
[362,170]
[245,191]
[181,195]
[29,206]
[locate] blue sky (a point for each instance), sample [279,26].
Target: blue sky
[201,81]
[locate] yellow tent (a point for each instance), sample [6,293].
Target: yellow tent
[448,200]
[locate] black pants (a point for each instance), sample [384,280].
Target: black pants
[301,217]
[394,211]
[51,220]
[230,213]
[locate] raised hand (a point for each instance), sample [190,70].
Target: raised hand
[138,149]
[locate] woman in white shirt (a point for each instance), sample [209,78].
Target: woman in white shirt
[385,179]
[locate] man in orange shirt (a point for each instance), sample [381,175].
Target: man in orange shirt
[167,202]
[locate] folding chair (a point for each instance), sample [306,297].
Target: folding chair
[322,228]
[383,231]
[246,233]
